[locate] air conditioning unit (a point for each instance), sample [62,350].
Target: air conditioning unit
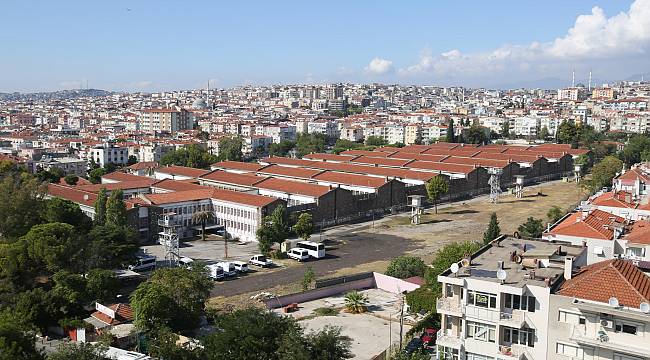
[608,324]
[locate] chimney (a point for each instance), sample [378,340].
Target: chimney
[568,267]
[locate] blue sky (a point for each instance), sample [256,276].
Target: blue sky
[160,45]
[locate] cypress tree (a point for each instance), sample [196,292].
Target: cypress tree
[100,207]
[116,209]
[450,132]
[493,231]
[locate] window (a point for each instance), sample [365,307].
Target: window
[447,353]
[517,302]
[481,299]
[626,328]
[566,350]
[481,332]
[519,336]
[570,317]
[449,290]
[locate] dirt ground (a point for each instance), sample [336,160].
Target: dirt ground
[454,223]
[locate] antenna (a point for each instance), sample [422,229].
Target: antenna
[590,80]
[454,268]
[502,275]
[613,302]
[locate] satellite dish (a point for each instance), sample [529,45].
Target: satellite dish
[501,275]
[644,307]
[465,262]
[454,268]
[613,302]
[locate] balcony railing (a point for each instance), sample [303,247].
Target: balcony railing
[514,351]
[451,341]
[601,338]
[449,305]
[482,313]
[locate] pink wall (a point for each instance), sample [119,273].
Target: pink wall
[393,285]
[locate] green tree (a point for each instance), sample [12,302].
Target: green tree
[101,285]
[451,137]
[230,148]
[308,278]
[79,351]
[282,148]
[447,255]
[603,172]
[403,267]
[554,214]
[71,288]
[374,140]
[163,345]
[493,231]
[100,207]
[53,175]
[16,340]
[116,208]
[567,133]
[71,179]
[192,156]
[172,298]
[95,175]
[265,236]
[37,307]
[476,135]
[436,187]
[132,160]
[65,211]
[203,217]
[532,228]
[342,145]
[635,147]
[328,344]
[305,226]
[355,302]
[110,246]
[310,143]
[21,205]
[543,133]
[54,245]
[505,129]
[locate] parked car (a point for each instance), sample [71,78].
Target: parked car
[143,263]
[228,268]
[298,254]
[260,260]
[215,272]
[240,266]
[186,262]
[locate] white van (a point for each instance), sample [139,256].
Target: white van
[316,250]
[143,263]
[228,268]
[240,266]
[298,254]
[215,272]
[186,262]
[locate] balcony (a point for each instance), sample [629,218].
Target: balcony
[514,351]
[515,319]
[481,313]
[447,340]
[611,341]
[450,306]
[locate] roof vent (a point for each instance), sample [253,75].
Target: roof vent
[86,197]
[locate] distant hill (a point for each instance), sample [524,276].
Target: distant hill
[637,77]
[54,95]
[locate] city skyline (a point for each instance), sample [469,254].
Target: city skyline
[125,46]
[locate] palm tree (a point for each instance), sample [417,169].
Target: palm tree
[355,302]
[203,217]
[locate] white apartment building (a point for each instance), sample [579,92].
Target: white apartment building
[353,133]
[602,312]
[279,133]
[496,302]
[431,133]
[109,153]
[328,128]
[394,134]
[153,153]
[526,126]
[570,94]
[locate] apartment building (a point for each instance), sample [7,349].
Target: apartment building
[68,165]
[167,120]
[495,303]
[526,126]
[603,93]
[412,134]
[109,153]
[571,94]
[328,128]
[601,312]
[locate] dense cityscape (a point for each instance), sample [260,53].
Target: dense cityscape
[334,220]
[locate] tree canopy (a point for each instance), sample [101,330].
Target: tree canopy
[436,187]
[192,156]
[603,172]
[310,143]
[403,267]
[532,228]
[230,148]
[493,231]
[304,227]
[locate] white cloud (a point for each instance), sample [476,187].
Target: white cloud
[379,66]
[593,38]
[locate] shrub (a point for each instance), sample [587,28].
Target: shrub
[403,267]
[422,298]
[326,311]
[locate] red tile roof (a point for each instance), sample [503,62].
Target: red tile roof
[176,185]
[73,194]
[329,157]
[222,176]
[444,167]
[611,278]
[289,161]
[350,179]
[293,187]
[596,224]
[300,173]
[124,185]
[237,165]
[143,165]
[123,314]
[639,233]
[413,156]
[614,199]
[120,176]
[381,161]
[236,197]
[182,171]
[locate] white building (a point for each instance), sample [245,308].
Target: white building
[109,153]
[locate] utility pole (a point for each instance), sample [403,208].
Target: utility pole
[401,321]
[225,242]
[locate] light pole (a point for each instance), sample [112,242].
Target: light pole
[401,320]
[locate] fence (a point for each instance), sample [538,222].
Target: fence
[319,293]
[342,279]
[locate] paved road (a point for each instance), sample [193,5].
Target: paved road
[344,250]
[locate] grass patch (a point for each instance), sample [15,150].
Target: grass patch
[326,311]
